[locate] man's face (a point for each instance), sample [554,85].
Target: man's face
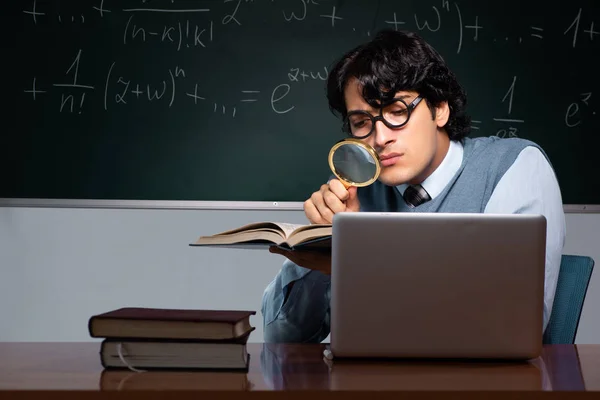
[409,154]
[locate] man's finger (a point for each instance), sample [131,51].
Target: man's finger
[352,204]
[338,189]
[334,203]
[312,213]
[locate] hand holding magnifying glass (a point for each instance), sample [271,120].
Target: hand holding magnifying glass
[354,163]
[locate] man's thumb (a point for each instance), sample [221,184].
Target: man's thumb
[352,203]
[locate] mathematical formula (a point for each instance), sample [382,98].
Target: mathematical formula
[466,26]
[194,29]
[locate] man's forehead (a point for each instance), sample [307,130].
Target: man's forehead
[354,98]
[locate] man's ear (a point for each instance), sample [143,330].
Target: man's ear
[442,114]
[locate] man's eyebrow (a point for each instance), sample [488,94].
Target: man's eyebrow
[368,109]
[402,96]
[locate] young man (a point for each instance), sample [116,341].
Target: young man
[397,94]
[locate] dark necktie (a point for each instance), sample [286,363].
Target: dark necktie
[415,195]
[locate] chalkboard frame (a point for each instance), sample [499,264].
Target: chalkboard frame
[202,205]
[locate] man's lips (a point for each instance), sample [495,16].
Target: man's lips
[389,159]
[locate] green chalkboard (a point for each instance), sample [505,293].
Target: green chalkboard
[225,100]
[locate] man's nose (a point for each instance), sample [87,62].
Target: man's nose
[382,134]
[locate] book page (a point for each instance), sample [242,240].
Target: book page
[264,235]
[272,232]
[256,226]
[309,233]
[302,228]
[288,228]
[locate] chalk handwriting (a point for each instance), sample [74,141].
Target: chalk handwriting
[511,131]
[436,24]
[575,26]
[446,4]
[591,31]
[33,12]
[68,99]
[395,22]
[34,90]
[181,34]
[331,16]
[189,25]
[100,8]
[573,110]
[167,10]
[274,99]
[293,16]
[426,25]
[297,75]
[127,90]
[250,96]
[460,29]
[194,95]
[537,32]
[232,17]
[510,94]
[476,27]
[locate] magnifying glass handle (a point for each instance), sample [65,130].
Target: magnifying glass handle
[346,184]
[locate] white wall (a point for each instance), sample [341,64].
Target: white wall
[59,266]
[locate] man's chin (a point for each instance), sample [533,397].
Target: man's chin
[391,179]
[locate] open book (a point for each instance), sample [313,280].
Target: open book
[264,234]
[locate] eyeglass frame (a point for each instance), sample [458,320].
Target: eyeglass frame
[409,109]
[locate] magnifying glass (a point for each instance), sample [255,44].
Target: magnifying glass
[354,163]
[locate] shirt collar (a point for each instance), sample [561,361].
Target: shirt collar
[437,181]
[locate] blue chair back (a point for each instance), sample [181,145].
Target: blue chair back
[573,280]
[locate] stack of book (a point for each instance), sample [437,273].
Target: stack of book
[153,338]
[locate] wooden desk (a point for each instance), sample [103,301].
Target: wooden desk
[76,366]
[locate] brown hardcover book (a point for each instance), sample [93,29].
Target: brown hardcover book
[173,380]
[175,354]
[162,323]
[265,234]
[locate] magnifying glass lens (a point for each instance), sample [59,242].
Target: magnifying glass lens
[355,163]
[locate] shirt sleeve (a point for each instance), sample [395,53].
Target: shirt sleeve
[304,315]
[530,186]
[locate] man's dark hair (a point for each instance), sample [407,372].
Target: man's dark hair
[400,61]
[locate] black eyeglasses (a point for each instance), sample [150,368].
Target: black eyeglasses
[395,114]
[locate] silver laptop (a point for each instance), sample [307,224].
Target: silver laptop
[437,285]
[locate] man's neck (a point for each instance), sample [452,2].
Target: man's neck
[443,144]
[437,181]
